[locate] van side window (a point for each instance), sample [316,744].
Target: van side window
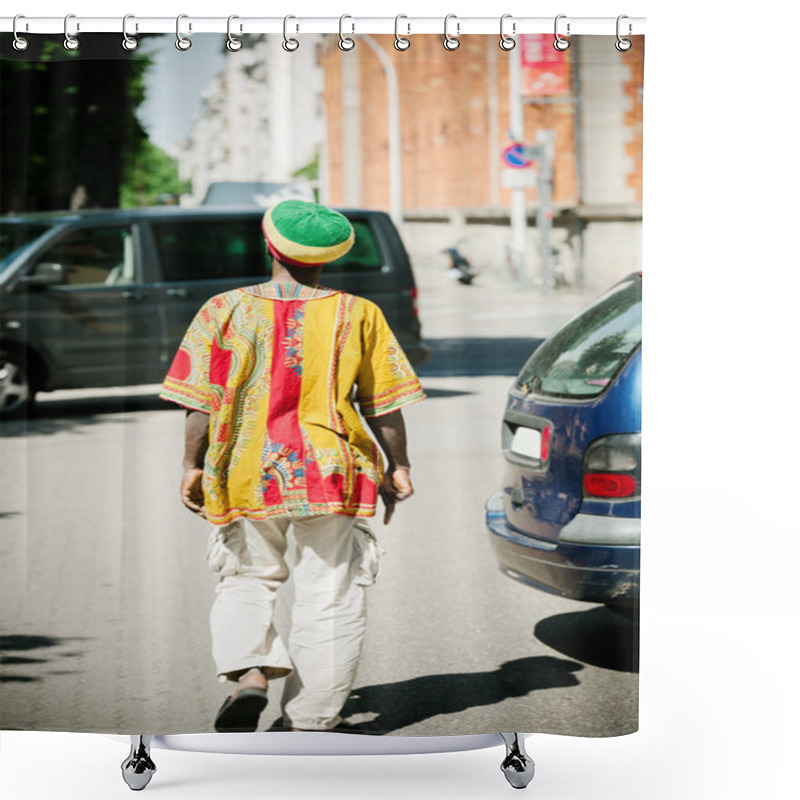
[198,250]
[100,256]
[364,256]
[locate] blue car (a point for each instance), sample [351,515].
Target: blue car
[568,517]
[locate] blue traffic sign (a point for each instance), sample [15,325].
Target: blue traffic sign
[514,156]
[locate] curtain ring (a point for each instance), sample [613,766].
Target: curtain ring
[345,42]
[233,44]
[20,42]
[451,42]
[182,42]
[128,42]
[400,42]
[506,42]
[623,45]
[71,42]
[289,45]
[560,43]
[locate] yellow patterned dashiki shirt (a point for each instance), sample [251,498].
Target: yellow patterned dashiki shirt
[275,366]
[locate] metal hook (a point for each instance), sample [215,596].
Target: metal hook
[400,42]
[451,42]
[506,42]
[128,42]
[289,45]
[345,42]
[71,42]
[182,42]
[233,44]
[559,42]
[20,42]
[623,45]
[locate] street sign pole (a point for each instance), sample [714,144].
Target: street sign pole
[516,121]
[544,215]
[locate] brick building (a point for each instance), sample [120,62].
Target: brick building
[454,112]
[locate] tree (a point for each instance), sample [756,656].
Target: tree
[148,175]
[68,124]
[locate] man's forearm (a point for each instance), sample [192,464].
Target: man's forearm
[195,439]
[390,432]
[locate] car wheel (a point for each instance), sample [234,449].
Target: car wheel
[16,390]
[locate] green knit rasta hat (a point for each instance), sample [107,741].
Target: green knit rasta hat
[306,234]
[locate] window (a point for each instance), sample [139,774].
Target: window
[364,256]
[99,256]
[585,356]
[198,250]
[14,236]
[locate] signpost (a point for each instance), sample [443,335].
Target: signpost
[519,175]
[519,158]
[544,214]
[516,124]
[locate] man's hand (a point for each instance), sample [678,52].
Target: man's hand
[395,486]
[192,491]
[390,431]
[195,447]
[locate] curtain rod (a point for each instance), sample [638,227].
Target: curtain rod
[404,25]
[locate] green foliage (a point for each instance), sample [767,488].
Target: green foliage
[310,171]
[150,174]
[68,123]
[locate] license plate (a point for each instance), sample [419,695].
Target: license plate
[527,442]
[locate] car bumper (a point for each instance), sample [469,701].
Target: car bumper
[595,573]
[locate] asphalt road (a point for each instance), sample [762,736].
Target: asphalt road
[105,592]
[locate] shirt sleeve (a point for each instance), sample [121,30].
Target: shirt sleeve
[386,379]
[187,382]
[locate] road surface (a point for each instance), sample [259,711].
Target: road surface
[105,592]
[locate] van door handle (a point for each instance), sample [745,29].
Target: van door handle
[131,294]
[177,291]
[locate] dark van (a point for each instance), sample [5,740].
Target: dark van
[103,298]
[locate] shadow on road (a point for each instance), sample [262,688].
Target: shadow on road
[55,416]
[25,644]
[477,356]
[405,703]
[598,637]
[434,394]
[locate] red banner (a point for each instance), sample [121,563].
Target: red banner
[544,69]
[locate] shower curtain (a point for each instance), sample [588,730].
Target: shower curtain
[526,162]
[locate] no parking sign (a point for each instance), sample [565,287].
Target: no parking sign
[514,156]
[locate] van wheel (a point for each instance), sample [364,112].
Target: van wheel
[16,391]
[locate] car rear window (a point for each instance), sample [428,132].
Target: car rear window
[584,357]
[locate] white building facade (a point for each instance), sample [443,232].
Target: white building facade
[262,118]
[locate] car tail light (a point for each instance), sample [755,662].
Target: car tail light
[612,467]
[545,450]
[414,296]
[605,484]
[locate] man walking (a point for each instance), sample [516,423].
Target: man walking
[269,375]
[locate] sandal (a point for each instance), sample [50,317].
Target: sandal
[240,712]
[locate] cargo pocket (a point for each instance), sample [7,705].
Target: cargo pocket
[221,550]
[367,553]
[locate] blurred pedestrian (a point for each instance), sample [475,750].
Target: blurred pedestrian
[270,375]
